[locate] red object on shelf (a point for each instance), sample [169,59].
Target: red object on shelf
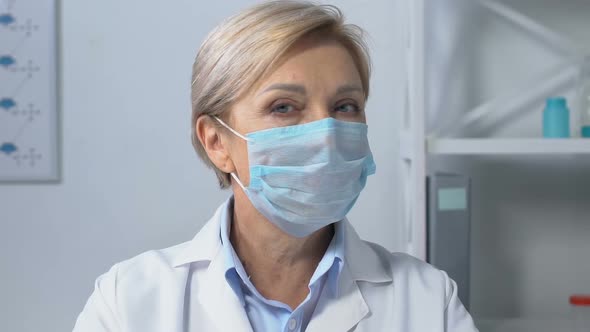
[580,300]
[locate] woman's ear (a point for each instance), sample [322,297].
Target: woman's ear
[214,143]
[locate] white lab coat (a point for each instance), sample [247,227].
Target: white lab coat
[183,289]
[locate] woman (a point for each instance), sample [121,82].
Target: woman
[278,97]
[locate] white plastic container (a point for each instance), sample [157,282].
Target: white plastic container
[581,312]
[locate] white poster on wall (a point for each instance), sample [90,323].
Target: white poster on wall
[28,91]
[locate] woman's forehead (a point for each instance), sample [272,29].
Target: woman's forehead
[326,63]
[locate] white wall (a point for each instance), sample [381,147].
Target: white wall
[130,179]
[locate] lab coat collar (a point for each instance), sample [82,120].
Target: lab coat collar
[216,295]
[335,311]
[362,260]
[206,244]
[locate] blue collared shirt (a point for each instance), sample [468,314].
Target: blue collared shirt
[271,315]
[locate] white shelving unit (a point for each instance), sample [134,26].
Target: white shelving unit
[416,144]
[412,138]
[419,146]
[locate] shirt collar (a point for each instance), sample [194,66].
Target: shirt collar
[333,260]
[364,260]
[234,270]
[235,274]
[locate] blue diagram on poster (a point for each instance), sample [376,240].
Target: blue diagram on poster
[28,91]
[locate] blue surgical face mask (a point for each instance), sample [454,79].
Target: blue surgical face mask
[307,176]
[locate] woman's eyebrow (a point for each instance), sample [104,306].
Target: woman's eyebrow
[349,88]
[300,89]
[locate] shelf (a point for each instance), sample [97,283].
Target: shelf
[508,146]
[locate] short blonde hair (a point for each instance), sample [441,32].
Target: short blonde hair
[244,48]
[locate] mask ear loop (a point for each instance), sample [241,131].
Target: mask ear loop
[233,175]
[231,129]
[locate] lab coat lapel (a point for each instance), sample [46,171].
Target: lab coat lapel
[342,311]
[220,301]
[216,297]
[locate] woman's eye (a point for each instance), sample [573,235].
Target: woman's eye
[347,108]
[282,108]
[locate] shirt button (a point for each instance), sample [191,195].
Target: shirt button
[292,324]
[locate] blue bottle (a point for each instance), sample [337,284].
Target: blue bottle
[586,113]
[556,118]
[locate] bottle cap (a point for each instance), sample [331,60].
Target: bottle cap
[556,102]
[580,300]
